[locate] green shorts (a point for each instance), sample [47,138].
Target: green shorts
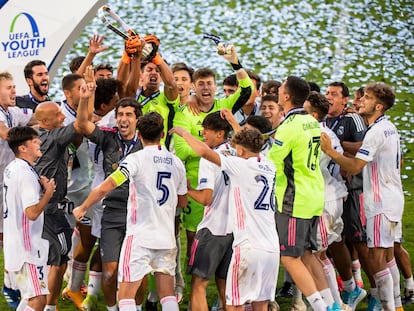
[194,212]
[192,215]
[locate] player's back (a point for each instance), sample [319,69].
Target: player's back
[252,201]
[157,177]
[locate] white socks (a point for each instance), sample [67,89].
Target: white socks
[169,303]
[77,276]
[385,288]
[94,283]
[316,302]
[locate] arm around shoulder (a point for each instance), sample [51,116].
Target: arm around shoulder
[198,146]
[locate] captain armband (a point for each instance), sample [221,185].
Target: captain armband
[120,176]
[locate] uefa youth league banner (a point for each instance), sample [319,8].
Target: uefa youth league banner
[40,29]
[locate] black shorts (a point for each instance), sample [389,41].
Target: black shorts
[354,217]
[58,232]
[210,255]
[296,234]
[112,238]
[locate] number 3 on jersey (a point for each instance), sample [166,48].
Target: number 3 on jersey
[313,146]
[163,187]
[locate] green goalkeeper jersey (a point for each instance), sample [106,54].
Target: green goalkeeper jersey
[295,153]
[192,123]
[158,102]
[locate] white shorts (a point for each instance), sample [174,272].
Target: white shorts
[96,219]
[330,224]
[398,233]
[252,275]
[136,261]
[31,280]
[380,231]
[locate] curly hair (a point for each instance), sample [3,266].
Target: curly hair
[250,139]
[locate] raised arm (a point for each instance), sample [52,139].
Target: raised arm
[230,54]
[83,123]
[89,77]
[228,115]
[242,95]
[129,70]
[95,47]
[167,76]
[199,147]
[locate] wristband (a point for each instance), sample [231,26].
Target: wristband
[236,66]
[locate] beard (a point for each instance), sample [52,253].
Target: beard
[36,86]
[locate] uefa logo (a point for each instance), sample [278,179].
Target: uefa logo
[24,38]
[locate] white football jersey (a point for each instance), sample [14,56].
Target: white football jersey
[23,240]
[210,176]
[252,201]
[381,175]
[156,178]
[95,153]
[334,184]
[15,116]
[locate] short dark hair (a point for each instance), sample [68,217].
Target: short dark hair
[270,84]
[18,135]
[269,97]
[204,73]
[129,102]
[314,86]
[69,80]
[183,66]
[105,91]
[261,123]
[215,122]
[75,63]
[28,69]
[345,90]
[360,91]
[103,66]
[319,104]
[151,126]
[231,80]
[383,93]
[298,89]
[250,139]
[144,63]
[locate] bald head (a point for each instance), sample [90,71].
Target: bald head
[49,115]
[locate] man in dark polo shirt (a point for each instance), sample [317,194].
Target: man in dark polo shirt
[116,143]
[53,163]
